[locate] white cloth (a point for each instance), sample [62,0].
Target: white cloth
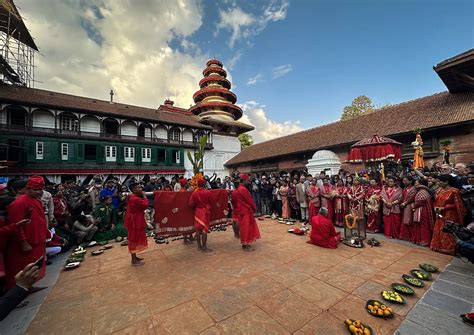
[51,251]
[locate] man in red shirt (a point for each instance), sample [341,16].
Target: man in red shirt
[323,233]
[249,232]
[201,201]
[135,222]
[29,244]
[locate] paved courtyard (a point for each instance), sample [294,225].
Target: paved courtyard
[285,286]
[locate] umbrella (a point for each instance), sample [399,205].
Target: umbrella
[375,149]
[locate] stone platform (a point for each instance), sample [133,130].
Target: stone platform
[285,286]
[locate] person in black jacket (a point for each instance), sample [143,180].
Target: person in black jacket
[24,281]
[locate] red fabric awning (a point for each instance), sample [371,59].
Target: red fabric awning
[375,149]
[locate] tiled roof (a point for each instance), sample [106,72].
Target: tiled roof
[35,97]
[436,110]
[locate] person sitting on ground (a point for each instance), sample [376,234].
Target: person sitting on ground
[323,233]
[84,229]
[24,281]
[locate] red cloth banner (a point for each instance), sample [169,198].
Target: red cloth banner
[174,216]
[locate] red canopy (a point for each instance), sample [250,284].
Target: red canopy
[375,149]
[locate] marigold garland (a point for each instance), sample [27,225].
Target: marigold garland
[194,180]
[354,221]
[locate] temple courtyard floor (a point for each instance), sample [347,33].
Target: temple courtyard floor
[285,286]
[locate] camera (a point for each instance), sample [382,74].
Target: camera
[457,230]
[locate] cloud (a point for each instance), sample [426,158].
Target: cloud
[243,25]
[230,63]
[280,71]
[266,129]
[90,46]
[238,22]
[255,79]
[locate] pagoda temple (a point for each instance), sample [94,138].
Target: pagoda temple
[215,103]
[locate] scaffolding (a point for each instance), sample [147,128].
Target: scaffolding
[17,48]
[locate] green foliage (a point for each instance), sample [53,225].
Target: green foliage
[246,140]
[360,106]
[198,160]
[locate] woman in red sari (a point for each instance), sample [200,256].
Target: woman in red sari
[341,203]
[135,222]
[423,220]
[391,197]
[285,204]
[449,207]
[327,192]
[356,196]
[408,198]
[312,192]
[372,207]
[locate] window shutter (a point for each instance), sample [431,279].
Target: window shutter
[120,154]
[138,155]
[100,154]
[79,154]
[51,152]
[30,151]
[154,156]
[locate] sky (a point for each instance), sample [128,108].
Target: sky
[294,64]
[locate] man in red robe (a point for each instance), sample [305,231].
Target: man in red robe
[135,222]
[183,183]
[201,201]
[29,244]
[323,233]
[246,207]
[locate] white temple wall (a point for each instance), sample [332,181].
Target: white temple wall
[225,148]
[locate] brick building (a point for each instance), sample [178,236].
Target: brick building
[442,116]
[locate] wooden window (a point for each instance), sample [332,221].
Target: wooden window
[110,153]
[146,155]
[39,150]
[174,134]
[68,123]
[90,152]
[161,156]
[64,151]
[129,154]
[176,157]
[198,136]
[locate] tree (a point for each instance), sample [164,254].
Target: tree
[360,106]
[246,140]
[198,160]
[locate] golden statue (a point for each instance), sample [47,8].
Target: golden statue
[418,162]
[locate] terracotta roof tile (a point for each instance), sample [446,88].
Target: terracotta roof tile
[428,112]
[36,97]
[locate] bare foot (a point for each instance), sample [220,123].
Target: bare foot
[137,263]
[206,250]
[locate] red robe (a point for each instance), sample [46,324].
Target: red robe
[423,220]
[325,202]
[341,205]
[450,200]
[323,233]
[406,227]
[372,208]
[34,233]
[314,202]
[135,223]
[201,201]
[356,196]
[249,231]
[391,215]
[235,205]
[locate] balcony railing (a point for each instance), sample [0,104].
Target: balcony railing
[106,135]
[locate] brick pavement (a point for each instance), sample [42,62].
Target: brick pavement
[285,286]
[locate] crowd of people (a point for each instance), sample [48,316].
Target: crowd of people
[407,204]
[403,203]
